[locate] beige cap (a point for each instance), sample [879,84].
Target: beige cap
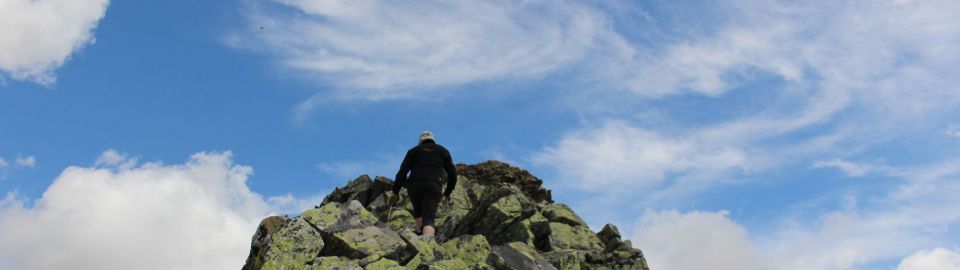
[426,135]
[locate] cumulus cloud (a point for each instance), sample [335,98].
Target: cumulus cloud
[40,35]
[847,167]
[196,215]
[622,155]
[27,161]
[384,49]
[916,214]
[672,240]
[934,259]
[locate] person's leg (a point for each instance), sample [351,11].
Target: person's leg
[416,198]
[429,230]
[431,199]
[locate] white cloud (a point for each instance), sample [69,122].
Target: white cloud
[27,161]
[40,35]
[3,168]
[622,155]
[935,259]
[845,89]
[847,167]
[115,159]
[695,240]
[383,49]
[914,215]
[196,215]
[953,130]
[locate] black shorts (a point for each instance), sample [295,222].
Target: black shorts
[425,197]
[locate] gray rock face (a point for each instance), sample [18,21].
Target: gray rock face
[500,218]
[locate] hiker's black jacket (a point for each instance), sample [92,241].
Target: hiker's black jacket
[426,163]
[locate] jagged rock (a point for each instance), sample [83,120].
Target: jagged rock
[351,231]
[497,172]
[566,259]
[518,256]
[426,252]
[295,243]
[609,236]
[561,236]
[362,189]
[261,241]
[563,214]
[500,217]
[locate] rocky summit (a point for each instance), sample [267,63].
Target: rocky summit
[500,217]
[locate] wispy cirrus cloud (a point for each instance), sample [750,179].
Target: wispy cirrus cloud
[382,50]
[847,167]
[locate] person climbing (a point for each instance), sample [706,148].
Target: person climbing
[426,164]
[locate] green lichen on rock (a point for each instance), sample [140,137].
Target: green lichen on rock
[293,245]
[323,217]
[366,241]
[562,236]
[425,253]
[335,263]
[446,264]
[399,220]
[384,264]
[471,249]
[566,259]
[563,214]
[518,256]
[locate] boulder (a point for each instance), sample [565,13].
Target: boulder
[518,256]
[261,241]
[361,189]
[561,236]
[566,259]
[563,214]
[295,244]
[351,231]
[497,172]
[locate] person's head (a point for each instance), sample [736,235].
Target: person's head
[425,136]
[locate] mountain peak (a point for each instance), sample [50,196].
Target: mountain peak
[500,217]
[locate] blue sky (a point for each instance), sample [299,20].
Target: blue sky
[742,134]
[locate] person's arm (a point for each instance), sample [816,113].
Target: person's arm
[451,173]
[402,174]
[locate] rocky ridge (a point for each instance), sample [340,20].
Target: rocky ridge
[500,217]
